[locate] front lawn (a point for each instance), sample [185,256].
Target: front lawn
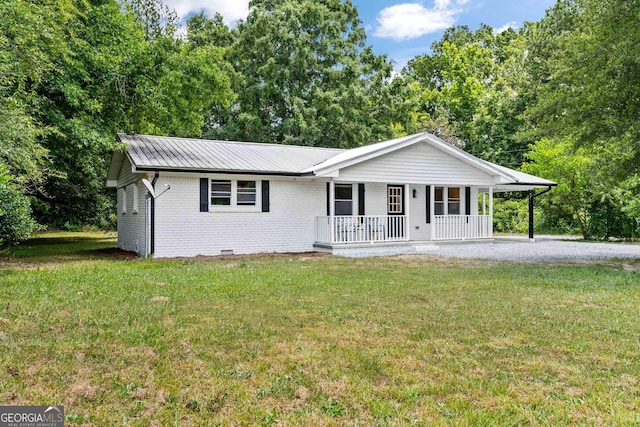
[302,340]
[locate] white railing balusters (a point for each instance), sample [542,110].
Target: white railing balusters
[390,228]
[361,229]
[461,227]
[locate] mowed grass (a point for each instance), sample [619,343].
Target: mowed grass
[299,340]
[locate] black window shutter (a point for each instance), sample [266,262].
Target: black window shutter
[265,196]
[328,199]
[204,195]
[361,199]
[467,200]
[428,202]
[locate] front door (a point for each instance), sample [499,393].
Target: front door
[395,210]
[419,204]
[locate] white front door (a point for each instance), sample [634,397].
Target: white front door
[418,200]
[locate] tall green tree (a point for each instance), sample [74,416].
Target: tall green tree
[468,91]
[32,36]
[584,58]
[125,71]
[306,76]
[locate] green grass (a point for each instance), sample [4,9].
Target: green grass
[316,340]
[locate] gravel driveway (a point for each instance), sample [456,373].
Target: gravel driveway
[544,248]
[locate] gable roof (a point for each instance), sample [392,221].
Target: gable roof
[151,153]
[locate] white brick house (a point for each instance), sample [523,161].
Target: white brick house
[220,197]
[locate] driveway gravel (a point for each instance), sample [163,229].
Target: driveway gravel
[544,248]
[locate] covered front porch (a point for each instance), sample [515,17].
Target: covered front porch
[403,213]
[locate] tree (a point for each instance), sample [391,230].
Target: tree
[125,73]
[469,84]
[306,77]
[32,35]
[584,58]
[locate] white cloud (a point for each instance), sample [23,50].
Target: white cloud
[411,20]
[505,27]
[231,10]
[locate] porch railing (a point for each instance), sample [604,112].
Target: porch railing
[361,229]
[461,227]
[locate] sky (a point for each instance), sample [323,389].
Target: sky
[401,29]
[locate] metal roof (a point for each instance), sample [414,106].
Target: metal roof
[150,153]
[167,153]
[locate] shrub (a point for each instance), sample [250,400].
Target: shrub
[16,222]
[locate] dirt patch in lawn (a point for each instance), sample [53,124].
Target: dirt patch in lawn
[300,256]
[119,254]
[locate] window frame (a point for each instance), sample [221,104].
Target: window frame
[336,199]
[123,193]
[443,205]
[234,205]
[451,201]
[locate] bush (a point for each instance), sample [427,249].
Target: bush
[16,223]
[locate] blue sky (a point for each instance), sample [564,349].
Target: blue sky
[402,29]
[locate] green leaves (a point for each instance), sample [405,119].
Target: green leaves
[305,77]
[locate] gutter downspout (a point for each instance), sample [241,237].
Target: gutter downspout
[532,196]
[153,216]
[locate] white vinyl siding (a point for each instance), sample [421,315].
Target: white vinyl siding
[420,164]
[126,176]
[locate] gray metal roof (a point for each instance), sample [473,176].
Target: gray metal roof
[150,153]
[167,153]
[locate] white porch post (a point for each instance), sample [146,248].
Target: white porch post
[407,203]
[432,211]
[332,210]
[490,211]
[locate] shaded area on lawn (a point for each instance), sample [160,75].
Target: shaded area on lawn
[56,248]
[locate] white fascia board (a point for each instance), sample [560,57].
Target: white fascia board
[114,169]
[133,165]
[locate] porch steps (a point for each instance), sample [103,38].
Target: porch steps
[387,250]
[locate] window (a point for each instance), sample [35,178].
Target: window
[134,196]
[246,193]
[221,193]
[439,201]
[447,201]
[344,199]
[394,200]
[453,201]
[234,194]
[123,196]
